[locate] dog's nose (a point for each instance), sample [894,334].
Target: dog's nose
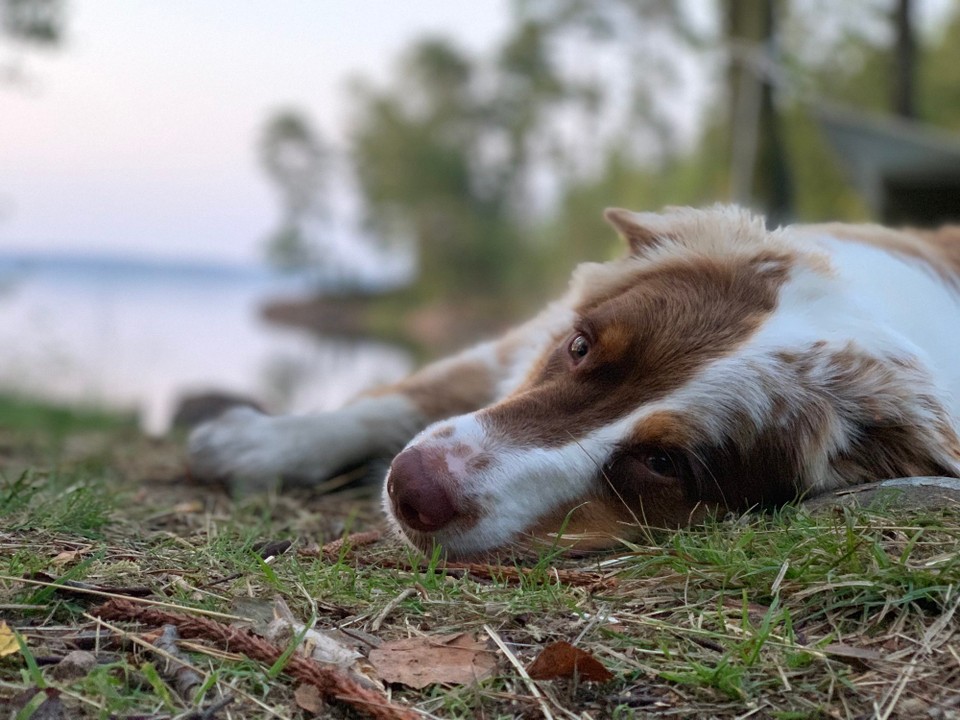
[419,499]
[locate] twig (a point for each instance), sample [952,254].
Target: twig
[485,571]
[333,548]
[567,576]
[330,682]
[531,685]
[71,587]
[140,601]
[390,607]
[208,712]
[185,678]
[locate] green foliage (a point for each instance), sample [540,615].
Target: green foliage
[939,78]
[295,159]
[35,416]
[36,21]
[419,149]
[451,154]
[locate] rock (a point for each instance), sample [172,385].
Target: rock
[76,664]
[908,493]
[198,408]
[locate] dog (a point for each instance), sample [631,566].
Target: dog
[717,367]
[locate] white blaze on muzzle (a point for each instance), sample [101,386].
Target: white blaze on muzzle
[460,486]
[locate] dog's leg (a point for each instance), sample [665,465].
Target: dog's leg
[257,450]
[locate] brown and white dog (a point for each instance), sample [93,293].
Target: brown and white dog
[718,366]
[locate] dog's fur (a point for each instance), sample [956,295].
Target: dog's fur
[718,366]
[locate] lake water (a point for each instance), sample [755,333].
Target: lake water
[138,335]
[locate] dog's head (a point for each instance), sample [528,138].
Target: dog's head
[718,367]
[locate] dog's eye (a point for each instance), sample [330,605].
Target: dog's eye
[662,463]
[579,347]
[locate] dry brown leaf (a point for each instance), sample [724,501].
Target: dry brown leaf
[308,698]
[67,556]
[325,646]
[855,655]
[188,507]
[563,660]
[416,662]
[755,612]
[332,682]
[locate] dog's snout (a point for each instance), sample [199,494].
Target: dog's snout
[416,491]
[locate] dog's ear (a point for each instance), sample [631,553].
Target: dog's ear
[641,231]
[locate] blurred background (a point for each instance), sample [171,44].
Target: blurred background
[291,201]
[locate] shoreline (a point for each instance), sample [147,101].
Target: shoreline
[430,330]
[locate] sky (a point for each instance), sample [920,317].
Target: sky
[138,135]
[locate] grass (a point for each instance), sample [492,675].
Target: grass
[850,613]
[55,421]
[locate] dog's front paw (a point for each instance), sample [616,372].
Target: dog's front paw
[256,451]
[240,446]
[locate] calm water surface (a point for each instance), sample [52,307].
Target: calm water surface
[138,335]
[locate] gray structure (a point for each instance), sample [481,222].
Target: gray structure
[908,172]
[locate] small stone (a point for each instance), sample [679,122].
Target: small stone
[75,665]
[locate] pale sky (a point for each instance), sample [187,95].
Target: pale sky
[138,135]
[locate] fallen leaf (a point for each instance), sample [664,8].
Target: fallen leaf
[272,548]
[188,507]
[8,641]
[416,662]
[308,698]
[331,647]
[755,612]
[67,556]
[853,655]
[563,660]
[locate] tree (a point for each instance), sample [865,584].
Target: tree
[29,23]
[904,61]
[454,153]
[441,157]
[760,174]
[295,160]
[35,21]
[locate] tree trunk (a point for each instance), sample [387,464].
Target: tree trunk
[760,173]
[904,61]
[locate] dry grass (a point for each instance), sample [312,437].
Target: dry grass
[846,614]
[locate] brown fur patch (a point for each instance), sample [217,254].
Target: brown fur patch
[479,463]
[649,337]
[467,385]
[624,509]
[666,429]
[593,525]
[860,416]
